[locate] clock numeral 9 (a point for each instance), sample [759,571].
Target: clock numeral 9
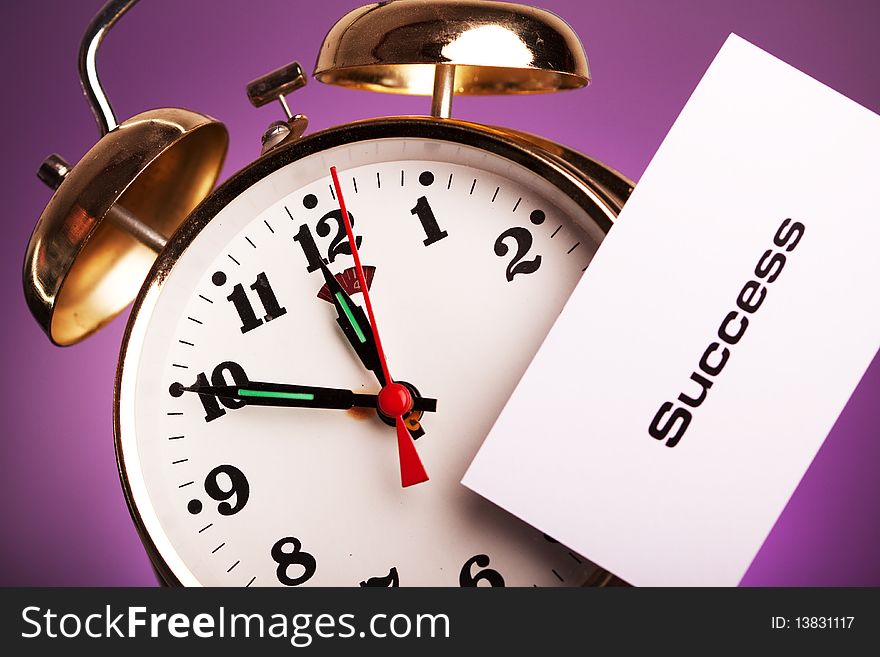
[338,245]
[238,488]
[211,404]
[523,239]
[247,315]
[467,578]
[294,557]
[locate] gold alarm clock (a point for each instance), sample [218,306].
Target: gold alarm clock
[318,347]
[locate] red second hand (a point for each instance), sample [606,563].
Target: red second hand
[394,397]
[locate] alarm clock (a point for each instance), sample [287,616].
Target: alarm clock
[318,347]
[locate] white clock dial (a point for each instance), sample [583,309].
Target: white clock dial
[473,256]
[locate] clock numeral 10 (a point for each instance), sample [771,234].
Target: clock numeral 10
[239,299]
[429,222]
[211,404]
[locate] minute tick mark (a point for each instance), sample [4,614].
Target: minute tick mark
[233,259]
[271,230]
[495,194]
[474,184]
[556,231]
[250,242]
[233,566]
[202,296]
[577,244]
[518,201]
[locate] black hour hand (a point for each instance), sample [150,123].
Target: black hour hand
[354,324]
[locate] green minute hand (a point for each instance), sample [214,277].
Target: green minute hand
[259,393]
[354,324]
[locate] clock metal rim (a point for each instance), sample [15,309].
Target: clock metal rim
[512,146]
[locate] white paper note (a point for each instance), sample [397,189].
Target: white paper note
[762,205]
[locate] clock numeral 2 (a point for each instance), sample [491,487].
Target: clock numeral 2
[467,578]
[338,245]
[294,557]
[211,404]
[429,222]
[247,315]
[523,239]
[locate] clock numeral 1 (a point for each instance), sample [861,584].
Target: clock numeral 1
[429,222]
[211,404]
[293,557]
[249,319]
[468,578]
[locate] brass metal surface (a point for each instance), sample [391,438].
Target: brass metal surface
[80,269]
[495,47]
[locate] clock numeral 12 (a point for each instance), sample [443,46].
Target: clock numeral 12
[249,319]
[338,245]
[429,222]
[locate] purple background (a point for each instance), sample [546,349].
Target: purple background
[63,518]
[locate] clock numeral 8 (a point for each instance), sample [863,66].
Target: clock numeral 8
[523,239]
[467,578]
[338,245]
[295,557]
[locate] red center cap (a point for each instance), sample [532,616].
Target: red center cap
[395,400]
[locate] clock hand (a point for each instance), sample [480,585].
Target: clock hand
[395,399]
[259,393]
[354,325]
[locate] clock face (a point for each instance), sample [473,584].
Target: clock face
[469,259]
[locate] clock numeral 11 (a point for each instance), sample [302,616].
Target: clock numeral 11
[239,298]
